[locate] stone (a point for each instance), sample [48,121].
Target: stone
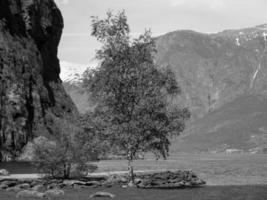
[9,183]
[102,194]
[54,186]
[30,194]
[4,172]
[73,182]
[177,179]
[3,186]
[54,193]
[131,184]
[24,186]
[13,189]
[116,180]
[38,188]
[137,180]
[93,183]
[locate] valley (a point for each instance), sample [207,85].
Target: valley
[223,81]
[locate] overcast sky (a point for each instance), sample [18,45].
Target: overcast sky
[161,16]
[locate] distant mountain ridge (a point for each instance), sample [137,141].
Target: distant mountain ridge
[72,72]
[71,75]
[213,69]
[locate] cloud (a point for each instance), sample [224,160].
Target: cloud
[198,4]
[64,2]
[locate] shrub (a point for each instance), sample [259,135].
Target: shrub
[62,156]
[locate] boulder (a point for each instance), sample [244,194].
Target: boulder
[177,179]
[93,183]
[102,194]
[13,189]
[24,186]
[116,180]
[30,194]
[38,187]
[3,186]
[9,183]
[73,182]
[54,193]
[4,172]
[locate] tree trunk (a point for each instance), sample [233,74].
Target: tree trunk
[130,171]
[130,168]
[67,171]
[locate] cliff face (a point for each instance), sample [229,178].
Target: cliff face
[32,98]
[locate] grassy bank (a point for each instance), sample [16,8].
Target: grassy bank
[216,169]
[204,193]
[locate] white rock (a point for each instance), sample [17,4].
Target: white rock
[54,193]
[102,194]
[13,189]
[4,172]
[30,194]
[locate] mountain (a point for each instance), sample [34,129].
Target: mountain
[33,101]
[223,77]
[224,83]
[71,75]
[72,72]
[213,69]
[239,125]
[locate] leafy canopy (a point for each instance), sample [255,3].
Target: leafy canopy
[132,93]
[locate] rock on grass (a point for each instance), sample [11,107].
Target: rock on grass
[54,193]
[102,194]
[30,194]
[4,172]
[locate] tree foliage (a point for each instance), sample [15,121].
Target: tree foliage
[132,93]
[64,155]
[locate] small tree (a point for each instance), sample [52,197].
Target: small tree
[63,156]
[133,95]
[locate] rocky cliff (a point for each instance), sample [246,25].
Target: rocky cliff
[32,99]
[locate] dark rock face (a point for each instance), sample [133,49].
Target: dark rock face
[31,95]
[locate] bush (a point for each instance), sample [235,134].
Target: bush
[58,158]
[62,157]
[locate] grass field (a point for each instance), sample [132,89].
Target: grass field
[216,169]
[229,177]
[204,193]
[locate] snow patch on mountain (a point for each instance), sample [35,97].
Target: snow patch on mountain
[264,36]
[262,27]
[72,72]
[237,42]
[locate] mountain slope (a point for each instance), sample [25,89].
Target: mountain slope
[213,69]
[71,75]
[239,124]
[223,78]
